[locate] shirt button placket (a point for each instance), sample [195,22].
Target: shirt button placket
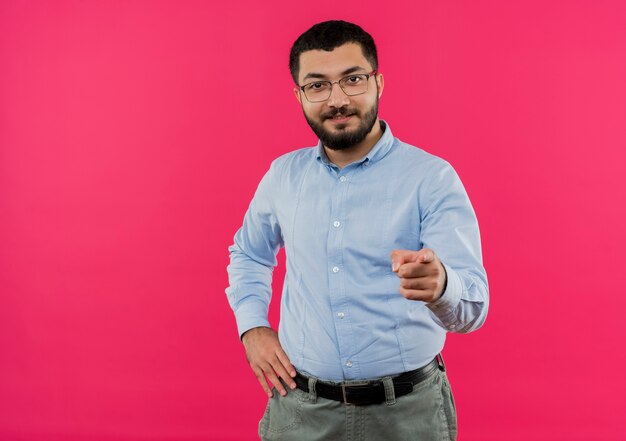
[337,273]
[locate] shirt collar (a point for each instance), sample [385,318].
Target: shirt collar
[378,152]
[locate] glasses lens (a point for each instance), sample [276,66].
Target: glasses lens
[318,91]
[354,84]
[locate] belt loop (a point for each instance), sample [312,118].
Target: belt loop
[312,391]
[442,365]
[390,393]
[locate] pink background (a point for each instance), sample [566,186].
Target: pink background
[133,135]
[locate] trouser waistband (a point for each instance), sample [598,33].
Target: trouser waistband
[372,391]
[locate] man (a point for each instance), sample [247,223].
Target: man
[383,258]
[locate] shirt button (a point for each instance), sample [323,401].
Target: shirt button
[335,269]
[452,326]
[341,315]
[343,179]
[349,363]
[336,224]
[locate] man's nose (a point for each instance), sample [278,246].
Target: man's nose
[337,98]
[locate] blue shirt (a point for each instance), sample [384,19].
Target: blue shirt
[342,316]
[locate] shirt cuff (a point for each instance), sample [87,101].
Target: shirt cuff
[251,315]
[445,305]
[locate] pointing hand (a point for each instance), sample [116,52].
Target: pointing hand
[422,276]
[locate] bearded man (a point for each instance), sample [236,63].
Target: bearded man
[383,259]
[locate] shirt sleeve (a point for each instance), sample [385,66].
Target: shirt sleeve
[253,258]
[450,228]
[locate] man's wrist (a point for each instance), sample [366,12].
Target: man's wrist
[252,329]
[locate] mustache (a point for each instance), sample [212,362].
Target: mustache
[343,111]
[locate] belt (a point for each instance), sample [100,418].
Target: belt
[372,391]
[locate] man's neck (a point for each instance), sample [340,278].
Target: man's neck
[343,157]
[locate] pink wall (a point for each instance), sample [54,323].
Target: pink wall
[132,135]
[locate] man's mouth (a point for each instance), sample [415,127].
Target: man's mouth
[340,117]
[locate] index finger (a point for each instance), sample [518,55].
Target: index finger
[413,270]
[285,362]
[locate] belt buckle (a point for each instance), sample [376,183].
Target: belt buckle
[352,384]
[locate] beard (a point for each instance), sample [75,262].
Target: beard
[343,139]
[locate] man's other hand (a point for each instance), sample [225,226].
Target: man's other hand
[268,360]
[422,276]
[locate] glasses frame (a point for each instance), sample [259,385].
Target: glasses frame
[332,83]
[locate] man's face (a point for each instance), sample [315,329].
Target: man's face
[342,121]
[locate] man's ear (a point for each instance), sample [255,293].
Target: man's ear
[296,92]
[380,81]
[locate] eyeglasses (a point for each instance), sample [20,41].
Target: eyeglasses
[319,91]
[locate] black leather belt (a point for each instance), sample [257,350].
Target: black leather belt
[370,392]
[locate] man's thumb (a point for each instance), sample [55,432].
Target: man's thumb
[427,257]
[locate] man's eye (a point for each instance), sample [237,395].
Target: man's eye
[315,86]
[354,79]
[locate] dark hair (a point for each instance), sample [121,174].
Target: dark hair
[329,35]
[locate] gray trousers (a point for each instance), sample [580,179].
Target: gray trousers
[428,413]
